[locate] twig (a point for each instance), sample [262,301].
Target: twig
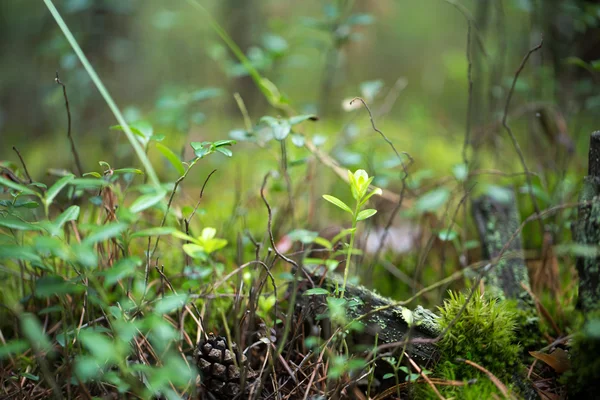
[189,219]
[23,164]
[403,180]
[73,148]
[420,371]
[492,377]
[296,267]
[512,136]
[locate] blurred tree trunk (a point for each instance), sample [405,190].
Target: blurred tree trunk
[244,22]
[587,232]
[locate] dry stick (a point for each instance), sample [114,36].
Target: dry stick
[23,164]
[402,190]
[512,136]
[297,268]
[492,377]
[420,371]
[73,148]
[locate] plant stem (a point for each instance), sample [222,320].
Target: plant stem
[350,248]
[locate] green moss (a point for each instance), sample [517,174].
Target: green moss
[484,333]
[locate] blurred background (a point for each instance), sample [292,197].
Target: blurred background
[174,78]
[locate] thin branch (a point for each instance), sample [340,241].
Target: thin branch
[23,164]
[403,181]
[512,136]
[420,371]
[492,377]
[73,148]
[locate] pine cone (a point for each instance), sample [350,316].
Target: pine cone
[221,375]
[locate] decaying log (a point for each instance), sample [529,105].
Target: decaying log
[497,220]
[388,325]
[586,231]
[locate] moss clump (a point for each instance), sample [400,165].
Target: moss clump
[484,333]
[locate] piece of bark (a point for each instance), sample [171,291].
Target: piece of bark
[497,220]
[586,232]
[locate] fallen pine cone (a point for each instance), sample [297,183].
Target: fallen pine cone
[221,369]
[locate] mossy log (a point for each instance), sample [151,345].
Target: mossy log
[586,232]
[389,324]
[497,220]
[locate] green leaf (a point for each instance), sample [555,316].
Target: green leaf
[57,187]
[461,172]
[171,157]
[225,151]
[105,232]
[128,171]
[388,376]
[297,140]
[195,251]
[33,331]
[93,173]
[499,194]
[170,303]
[301,118]
[281,127]
[146,201]
[407,315]
[124,268]
[87,183]
[337,202]
[315,292]
[433,200]
[227,142]
[54,285]
[156,231]
[447,235]
[70,214]
[16,186]
[15,223]
[364,214]
[13,347]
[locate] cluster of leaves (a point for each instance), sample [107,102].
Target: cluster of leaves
[76,255]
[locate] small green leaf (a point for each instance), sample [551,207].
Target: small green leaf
[171,157]
[170,303]
[388,376]
[315,292]
[13,347]
[337,202]
[447,235]
[301,118]
[224,151]
[33,331]
[124,268]
[146,201]
[16,186]
[93,173]
[227,142]
[156,231]
[461,172]
[433,200]
[407,315]
[128,171]
[105,232]
[15,223]
[57,187]
[70,214]
[364,214]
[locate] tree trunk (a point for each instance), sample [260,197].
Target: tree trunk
[587,233]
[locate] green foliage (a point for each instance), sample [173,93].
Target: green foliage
[484,333]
